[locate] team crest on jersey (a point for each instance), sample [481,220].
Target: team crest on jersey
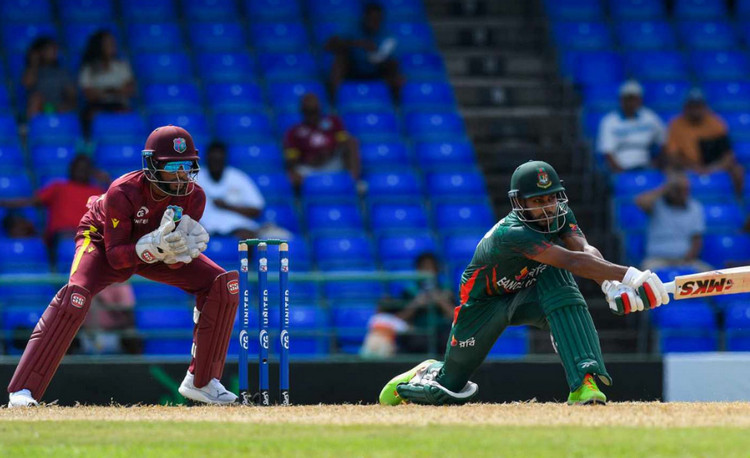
[542,179]
[77,300]
[179,145]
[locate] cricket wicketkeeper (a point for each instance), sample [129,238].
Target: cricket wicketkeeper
[522,274]
[145,224]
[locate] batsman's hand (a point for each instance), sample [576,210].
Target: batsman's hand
[622,299]
[648,285]
[164,243]
[195,235]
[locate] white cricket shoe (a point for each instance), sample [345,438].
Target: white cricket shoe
[213,393]
[21,399]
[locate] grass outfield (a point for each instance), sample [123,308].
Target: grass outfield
[526,429]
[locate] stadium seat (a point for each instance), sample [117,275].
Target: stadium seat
[33,11]
[273,10]
[458,249]
[363,96]
[339,10]
[23,256]
[634,247]
[275,186]
[670,272]
[381,156]
[238,128]
[392,186]
[401,251]
[422,67]
[256,156]
[76,35]
[223,251]
[512,343]
[5,104]
[17,38]
[700,9]
[719,65]
[587,67]
[657,65]
[353,291]
[155,37]
[395,217]
[234,97]
[737,327]
[8,130]
[195,123]
[172,97]
[574,10]
[19,323]
[720,249]
[279,37]
[165,67]
[665,95]
[601,97]
[285,121]
[324,31]
[322,218]
[17,296]
[282,215]
[381,126]
[52,160]
[412,37]
[629,184]
[723,216]
[288,66]
[309,331]
[226,67]
[339,252]
[151,293]
[427,96]
[647,35]
[350,324]
[437,156]
[636,9]
[717,35]
[217,36]
[462,217]
[629,217]
[300,257]
[728,95]
[582,35]
[335,185]
[87,11]
[164,317]
[115,158]
[64,253]
[11,158]
[119,128]
[738,124]
[14,185]
[443,185]
[717,185]
[688,327]
[54,129]
[286,96]
[445,126]
[148,11]
[210,10]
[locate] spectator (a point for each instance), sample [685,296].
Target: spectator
[698,140]
[106,81]
[676,225]
[49,86]
[426,307]
[233,201]
[110,324]
[627,136]
[319,144]
[65,201]
[18,227]
[368,55]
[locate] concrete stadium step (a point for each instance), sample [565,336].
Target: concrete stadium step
[498,33]
[481,8]
[543,126]
[473,61]
[510,92]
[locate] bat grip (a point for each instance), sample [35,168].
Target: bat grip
[669,286]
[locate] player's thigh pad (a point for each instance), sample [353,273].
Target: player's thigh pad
[214,317]
[50,340]
[557,288]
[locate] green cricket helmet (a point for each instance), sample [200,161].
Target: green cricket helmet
[534,179]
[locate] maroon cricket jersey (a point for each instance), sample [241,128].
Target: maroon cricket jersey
[128,211]
[315,145]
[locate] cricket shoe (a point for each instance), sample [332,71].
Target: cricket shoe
[587,394]
[21,399]
[389,396]
[213,393]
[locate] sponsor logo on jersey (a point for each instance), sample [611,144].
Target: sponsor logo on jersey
[470,342]
[179,145]
[233,287]
[574,227]
[143,211]
[542,179]
[77,300]
[115,222]
[524,279]
[708,286]
[90,249]
[523,274]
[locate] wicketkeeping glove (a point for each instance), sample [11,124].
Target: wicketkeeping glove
[164,243]
[622,299]
[648,285]
[195,235]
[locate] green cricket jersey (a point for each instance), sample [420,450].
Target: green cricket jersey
[501,263]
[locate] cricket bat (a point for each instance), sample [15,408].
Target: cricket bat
[713,283]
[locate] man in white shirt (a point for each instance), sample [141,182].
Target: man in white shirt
[233,201]
[626,136]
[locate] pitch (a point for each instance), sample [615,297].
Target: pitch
[517,429]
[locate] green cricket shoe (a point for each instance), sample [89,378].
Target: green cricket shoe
[587,394]
[389,396]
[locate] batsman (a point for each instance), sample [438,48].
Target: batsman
[522,274]
[146,224]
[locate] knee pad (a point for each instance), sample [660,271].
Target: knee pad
[557,288]
[50,340]
[214,316]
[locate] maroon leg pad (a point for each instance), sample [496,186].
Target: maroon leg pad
[50,340]
[214,328]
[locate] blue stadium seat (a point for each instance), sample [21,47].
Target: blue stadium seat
[582,35]
[459,248]
[286,96]
[435,156]
[393,186]
[381,126]
[634,247]
[23,256]
[324,31]
[285,121]
[657,65]
[282,215]
[17,38]
[339,10]
[279,37]
[275,186]
[288,67]
[629,217]
[737,327]
[591,121]
[629,184]
[118,157]
[717,35]
[300,256]
[20,320]
[164,317]
[428,96]
[350,323]
[574,10]
[237,97]
[428,66]
[395,217]
[15,185]
[742,152]
[687,328]
[118,128]
[381,155]
[593,67]
[273,10]
[76,35]
[601,97]
[172,97]
[54,129]
[363,96]
[728,95]
[446,126]
[646,35]
[718,249]
[22,296]
[26,11]
[637,9]
[323,218]
[351,291]
[444,185]
[720,65]
[51,159]
[670,272]
[157,294]
[5,104]
[210,10]
[64,253]
[700,9]
[335,185]
[226,67]
[512,343]
[87,11]
[308,326]
[401,251]
[11,158]
[217,36]
[403,10]
[256,156]
[665,95]
[195,123]
[166,346]
[148,11]
[726,216]
[340,252]
[155,37]
[162,67]
[238,128]
[462,217]
[743,30]
[717,185]
[223,251]
[738,124]
[412,36]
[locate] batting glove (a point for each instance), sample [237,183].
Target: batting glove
[649,286]
[622,299]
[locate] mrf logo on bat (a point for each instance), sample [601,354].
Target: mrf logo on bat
[708,286]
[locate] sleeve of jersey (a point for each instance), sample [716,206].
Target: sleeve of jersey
[341,134]
[196,205]
[525,242]
[571,225]
[118,243]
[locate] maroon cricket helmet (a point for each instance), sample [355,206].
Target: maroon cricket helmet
[170,149]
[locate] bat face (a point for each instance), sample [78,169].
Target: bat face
[713,283]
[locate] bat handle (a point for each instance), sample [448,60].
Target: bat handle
[669,286]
